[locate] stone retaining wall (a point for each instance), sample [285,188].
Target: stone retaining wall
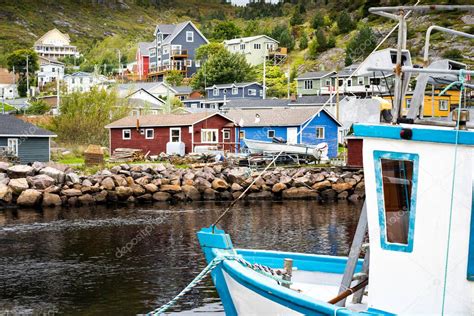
[49,186]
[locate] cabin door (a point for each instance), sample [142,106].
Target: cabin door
[292,135]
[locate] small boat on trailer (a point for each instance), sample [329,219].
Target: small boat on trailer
[418,213]
[319,151]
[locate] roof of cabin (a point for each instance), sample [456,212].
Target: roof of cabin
[7,77]
[315,74]
[230,85]
[174,29]
[163,120]
[12,126]
[247,39]
[314,100]
[144,48]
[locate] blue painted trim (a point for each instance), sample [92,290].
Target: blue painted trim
[470,258]
[378,156]
[443,136]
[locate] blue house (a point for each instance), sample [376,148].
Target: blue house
[174,49]
[23,140]
[317,123]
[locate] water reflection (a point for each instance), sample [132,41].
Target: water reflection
[68,262]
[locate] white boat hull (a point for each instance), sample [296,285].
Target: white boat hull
[256,146]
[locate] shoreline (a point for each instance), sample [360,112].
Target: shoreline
[48,185]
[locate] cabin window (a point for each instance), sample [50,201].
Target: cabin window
[12,144]
[197,63]
[320,131]
[328,82]
[189,36]
[209,135]
[270,133]
[189,63]
[175,135]
[408,103]
[308,84]
[396,179]
[443,105]
[126,134]
[242,46]
[257,46]
[149,133]
[349,82]
[226,134]
[242,134]
[375,81]
[215,92]
[252,92]
[235,90]
[341,82]
[360,81]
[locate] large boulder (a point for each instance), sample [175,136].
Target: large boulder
[302,182]
[20,171]
[50,199]
[18,185]
[108,184]
[342,186]
[29,198]
[220,185]
[170,188]
[202,184]
[5,193]
[86,199]
[101,197]
[238,175]
[161,196]
[40,182]
[209,194]
[71,192]
[264,195]
[72,177]
[58,175]
[120,181]
[278,187]
[236,187]
[286,180]
[151,188]
[123,192]
[4,166]
[300,193]
[319,186]
[4,179]
[137,189]
[191,192]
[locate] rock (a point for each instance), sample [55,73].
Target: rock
[105,172]
[161,196]
[209,194]
[115,169]
[359,189]
[29,198]
[351,181]
[142,180]
[138,190]
[5,193]
[302,182]
[202,184]
[120,181]
[18,185]
[71,192]
[151,188]
[318,177]
[170,188]
[160,167]
[20,171]
[189,176]
[86,199]
[40,182]
[53,189]
[101,197]
[87,183]
[4,166]
[54,173]
[236,187]
[72,177]
[238,175]
[328,194]
[4,179]
[220,185]
[72,201]
[357,177]
[108,184]
[339,187]
[354,198]
[89,189]
[286,180]
[145,197]
[265,195]
[50,199]
[123,192]
[278,187]
[191,192]
[226,196]
[343,195]
[319,186]
[299,193]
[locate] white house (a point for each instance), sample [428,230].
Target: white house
[8,87]
[82,81]
[255,48]
[243,3]
[50,71]
[54,45]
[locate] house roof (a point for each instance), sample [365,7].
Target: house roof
[46,61]
[230,85]
[52,32]
[165,28]
[182,89]
[130,96]
[305,101]
[144,48]
[163,120]
[275,117]
[174,29]
[247,39]
[80,74]
[315,75]
[12,126]
[7,77]
[132,87]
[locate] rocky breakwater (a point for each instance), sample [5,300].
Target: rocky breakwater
[49,186]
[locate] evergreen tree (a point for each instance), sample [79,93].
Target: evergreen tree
[344,23]
[17,61]
[321,40]
[226,30]
[318,21]
[282,34]
[303,41]
[361,45]
[296,18]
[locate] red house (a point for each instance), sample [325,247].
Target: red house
[154,133]
[143,60]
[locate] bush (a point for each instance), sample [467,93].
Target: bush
[454,54]
[318,21]
[303,41]
[344,23]
[38,108]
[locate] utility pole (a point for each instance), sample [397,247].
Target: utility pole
[120,64]
[289,75]
[27,78]
[264,73]
[337,96]
[57,94]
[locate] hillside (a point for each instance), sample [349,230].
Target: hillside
[99,27]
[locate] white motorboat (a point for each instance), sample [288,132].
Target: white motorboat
[319,151]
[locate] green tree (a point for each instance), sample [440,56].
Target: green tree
[251,28]
[174,78]
[276,81]
[303,41]
[317,21]
[38,108]
[83,116]
[282,34]
[203,52]
[296,18]
[16,62]
[454,54]
[313,49]
[226,30]
[361,45]
[344,23]
[321,40]
[223,67]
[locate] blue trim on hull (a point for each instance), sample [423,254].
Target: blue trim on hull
[443,136]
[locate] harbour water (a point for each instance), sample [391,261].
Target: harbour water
[127,261]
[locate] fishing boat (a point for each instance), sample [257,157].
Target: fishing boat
[418,214]
[319,151]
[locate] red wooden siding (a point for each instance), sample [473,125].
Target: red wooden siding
[220,123]
[354,152]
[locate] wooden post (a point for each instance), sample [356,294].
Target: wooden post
[288,267]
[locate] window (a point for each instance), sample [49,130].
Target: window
[242,134]
[54,69]
[209,136]
[257,46]
[126,134]
[215,92]
[360,81]
[189,63]
[349,82]
[396,180]
[149,133]
[225,91]
[443,105]
[175,135]
[320,131]
[340,82]
[197,63]
[242,46]
[252,92]
[235,90]
[226,134]
[408,103]
[165,50]
[12,144]
[375,81]
[308,84]
[270,133]
[189,36]
[328,82]
[42,69]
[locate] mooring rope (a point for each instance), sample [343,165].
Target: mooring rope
[461,83]
[277,275]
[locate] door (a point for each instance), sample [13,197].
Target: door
[292,135]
